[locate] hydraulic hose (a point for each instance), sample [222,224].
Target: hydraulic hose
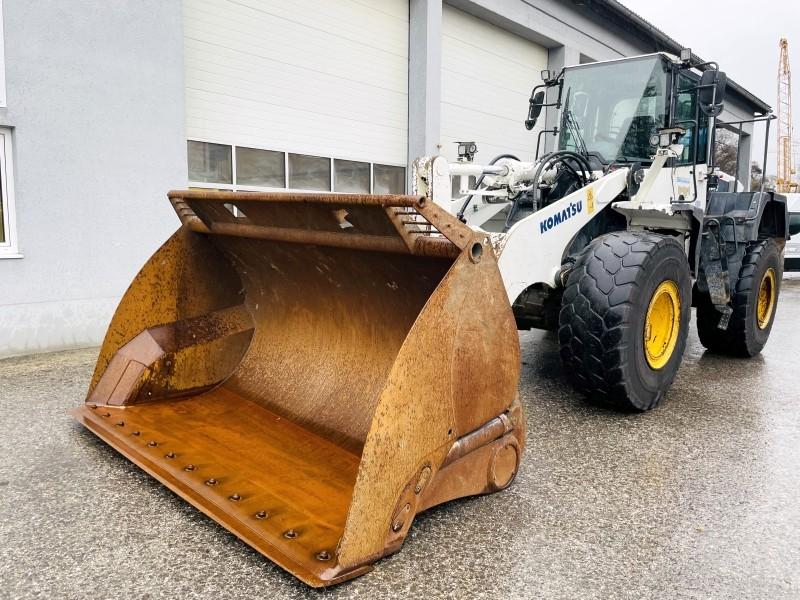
[560,155]
[553,157]
[462,210]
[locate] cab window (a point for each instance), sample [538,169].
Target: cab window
[685,112]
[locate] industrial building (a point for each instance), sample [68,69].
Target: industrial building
[104,106]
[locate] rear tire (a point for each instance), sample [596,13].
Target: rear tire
[616,347]
[749,326]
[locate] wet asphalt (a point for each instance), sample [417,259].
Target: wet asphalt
[699,498]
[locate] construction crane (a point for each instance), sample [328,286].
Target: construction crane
[784,181]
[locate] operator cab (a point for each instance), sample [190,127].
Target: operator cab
[624,112]
[614,111]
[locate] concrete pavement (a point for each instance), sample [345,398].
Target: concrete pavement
[699,498]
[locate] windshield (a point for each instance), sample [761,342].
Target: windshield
[612,109]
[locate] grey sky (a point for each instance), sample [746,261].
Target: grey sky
[741,35]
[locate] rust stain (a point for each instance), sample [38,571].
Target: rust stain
[314,372]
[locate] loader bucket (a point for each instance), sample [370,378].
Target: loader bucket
[313,370]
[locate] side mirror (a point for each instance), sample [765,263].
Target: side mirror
[794,223]
[534,110]
[711,94]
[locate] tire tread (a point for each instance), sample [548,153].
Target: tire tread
[598,302]
[734,340]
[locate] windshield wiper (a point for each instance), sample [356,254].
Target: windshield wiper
[571,124]
[575,129]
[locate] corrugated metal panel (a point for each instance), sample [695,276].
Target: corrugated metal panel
[487,77]
[324,77]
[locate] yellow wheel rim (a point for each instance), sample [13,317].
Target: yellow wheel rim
[766,299]
[662,324]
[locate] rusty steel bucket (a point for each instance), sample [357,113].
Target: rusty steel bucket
[313,370]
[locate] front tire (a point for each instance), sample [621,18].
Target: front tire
[624,318]
[754,301]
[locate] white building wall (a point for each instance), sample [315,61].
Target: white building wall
[324,78]
[487,77]
[2,61]
[96,112]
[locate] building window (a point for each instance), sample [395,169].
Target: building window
[309,172]
[8,231]
[389,179]
[213,165]
[351,176]
[260,167]
[210,163]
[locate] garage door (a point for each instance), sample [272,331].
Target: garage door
[308,94]
[487,77]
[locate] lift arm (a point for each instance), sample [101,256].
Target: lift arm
[533,250]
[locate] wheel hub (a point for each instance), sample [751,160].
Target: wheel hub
[662,324]
[766,299]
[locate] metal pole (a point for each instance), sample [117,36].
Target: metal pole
[764,167]
[738,151]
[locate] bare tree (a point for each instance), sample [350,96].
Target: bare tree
[725,151]
[756,174]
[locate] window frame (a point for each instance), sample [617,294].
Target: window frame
[235,164]
[232,159]
[10,247]
[702,125]
[369,173]
[289,172]
[662,79]
[235,187]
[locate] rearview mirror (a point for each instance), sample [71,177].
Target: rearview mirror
[711,94]
[794,223]
[534,110]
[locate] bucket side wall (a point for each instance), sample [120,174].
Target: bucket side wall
[187,277]
[431,395]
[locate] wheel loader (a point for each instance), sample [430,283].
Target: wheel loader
[313,370]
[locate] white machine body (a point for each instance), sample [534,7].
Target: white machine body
[660,192]
[532,249]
